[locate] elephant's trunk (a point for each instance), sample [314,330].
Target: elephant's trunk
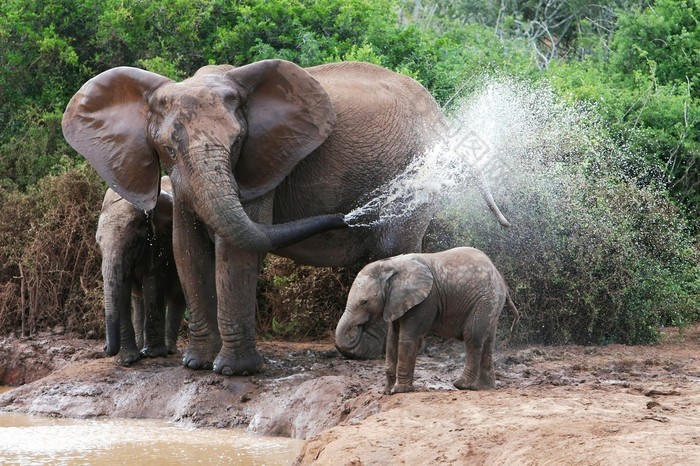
[355,340]
[219,205]
[348,333]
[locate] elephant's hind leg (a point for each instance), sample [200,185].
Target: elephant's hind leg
[470,374]
[154,322]
[487,376]
[392,347]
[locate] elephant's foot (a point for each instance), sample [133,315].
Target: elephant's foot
[238,364]
[199,358]
[487,382]
[387,389]
[171,347]
[389,385]
[403,388]
[463,383]
[127,357]
[154,351]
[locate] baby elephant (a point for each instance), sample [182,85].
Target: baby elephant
[139,275]
[457,293]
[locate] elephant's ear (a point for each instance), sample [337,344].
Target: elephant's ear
[106,122]
[289,115]
[408,284]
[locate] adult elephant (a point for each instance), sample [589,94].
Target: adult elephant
[262,158]
[143,299]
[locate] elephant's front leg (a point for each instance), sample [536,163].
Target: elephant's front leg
[392,351]
[406,363]
[129,352]
[413,326]
[194,256]
[236,281]
[410,335]
[175,311]
[154,321]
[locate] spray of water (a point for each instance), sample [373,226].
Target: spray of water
[502,123]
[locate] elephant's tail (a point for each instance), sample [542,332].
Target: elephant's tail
[516,316]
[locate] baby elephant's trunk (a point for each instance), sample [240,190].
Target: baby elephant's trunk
[357,342]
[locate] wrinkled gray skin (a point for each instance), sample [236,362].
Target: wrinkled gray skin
[457,293]
[140,278]
[264,157]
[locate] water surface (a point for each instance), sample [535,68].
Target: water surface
[33,440]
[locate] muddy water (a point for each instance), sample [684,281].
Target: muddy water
[33,440]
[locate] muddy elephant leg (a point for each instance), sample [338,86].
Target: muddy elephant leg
[194,256]
[175,312]
[406,363]
[487,376]
[154,323]
[411,331]
[137,315]
[128,352]
[470,374]
[236,284]
[236,279]
[392,351]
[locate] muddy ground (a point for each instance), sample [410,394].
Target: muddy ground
[553,405]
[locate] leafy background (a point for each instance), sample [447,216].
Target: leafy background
[613,259]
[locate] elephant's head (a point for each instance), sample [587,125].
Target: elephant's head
[382,292]
[225,136]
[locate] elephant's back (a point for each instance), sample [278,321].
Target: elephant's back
[377,134]
[380,95]
[360,77]
[470,267]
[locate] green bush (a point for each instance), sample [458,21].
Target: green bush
[301,302]
[645,83]
[38,149]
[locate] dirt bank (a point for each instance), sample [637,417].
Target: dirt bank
[554,405]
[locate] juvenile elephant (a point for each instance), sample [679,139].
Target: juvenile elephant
[140,277]
[457,293]
[264,157]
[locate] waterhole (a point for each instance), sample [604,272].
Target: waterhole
[26,440]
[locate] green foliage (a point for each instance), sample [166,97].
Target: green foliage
[646,89]
[665,38]
[34,151]
[301,302]
[607,261]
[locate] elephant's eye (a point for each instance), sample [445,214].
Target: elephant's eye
[237,141]
[171,152]
[363,302]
